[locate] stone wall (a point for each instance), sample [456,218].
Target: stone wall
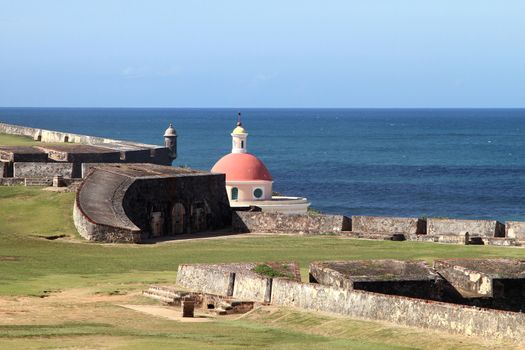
[202,278]
[125,151]
[103,233]
[37,170]
[484,228]
[289,223]
[400,310]
[11,181]
[516,230]
[391,225]
[3,169]
[252,287]
[208,190]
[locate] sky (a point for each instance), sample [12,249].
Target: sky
[333,54]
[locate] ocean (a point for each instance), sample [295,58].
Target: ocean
[459,163]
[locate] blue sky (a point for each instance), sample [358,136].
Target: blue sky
[369,53]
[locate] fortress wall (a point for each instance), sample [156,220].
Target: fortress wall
[390,225]
[42,170]
[327,276]
[205,279]
[515,229]
[61,136]
[252,287]
[266,222]
[102,233]
[11,181]
[4,169]
[484,228]
[399,310]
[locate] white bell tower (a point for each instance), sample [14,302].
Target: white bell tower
[239,136]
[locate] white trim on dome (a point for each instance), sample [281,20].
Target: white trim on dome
[251,182]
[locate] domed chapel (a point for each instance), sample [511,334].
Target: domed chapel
[249,182]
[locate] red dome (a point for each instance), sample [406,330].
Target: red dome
[242,167]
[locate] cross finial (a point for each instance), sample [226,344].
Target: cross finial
[239,119]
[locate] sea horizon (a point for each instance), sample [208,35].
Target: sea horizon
[441,162]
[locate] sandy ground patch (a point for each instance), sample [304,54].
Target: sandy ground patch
[170,313]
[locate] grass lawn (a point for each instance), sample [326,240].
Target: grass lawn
[42,272]
[15,140]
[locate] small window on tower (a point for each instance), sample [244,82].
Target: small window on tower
[242,144]
[258,193]
[235,193]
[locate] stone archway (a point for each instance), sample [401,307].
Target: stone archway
[198,217]
[177,219]
[157,223]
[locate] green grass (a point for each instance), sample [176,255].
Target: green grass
[15,140]
[33,266]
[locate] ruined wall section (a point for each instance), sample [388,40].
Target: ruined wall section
[265,222]
[400,310]
[202,279]
[516,230]
[250,286]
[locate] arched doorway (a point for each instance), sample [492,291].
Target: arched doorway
[177,219]
[157,223]
[198,216]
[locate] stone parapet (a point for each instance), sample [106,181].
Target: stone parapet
[483,228]
[389,225]
[263,222]
[516,230]
[451,318]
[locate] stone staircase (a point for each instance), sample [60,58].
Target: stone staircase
[216,304]
[165,294]
[38,181]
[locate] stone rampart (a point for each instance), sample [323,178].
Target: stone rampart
[516,230]
[406,311]
[483,228]
[390,225]
[103,233]
[124,151]
[37,169]
[289,223]
[202,278]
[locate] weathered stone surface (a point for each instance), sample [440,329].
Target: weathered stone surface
[516,230]
[22,154]
[475,278]
[79,149]
[11,181]
[462,238]
[502,241]
[214,279]
[400,310]
[38,169]
[249,286]
[289,223]
[3,169]
[188,308]
[412,278]
[104,232]
[484,228]
[390,225]
[125,196]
